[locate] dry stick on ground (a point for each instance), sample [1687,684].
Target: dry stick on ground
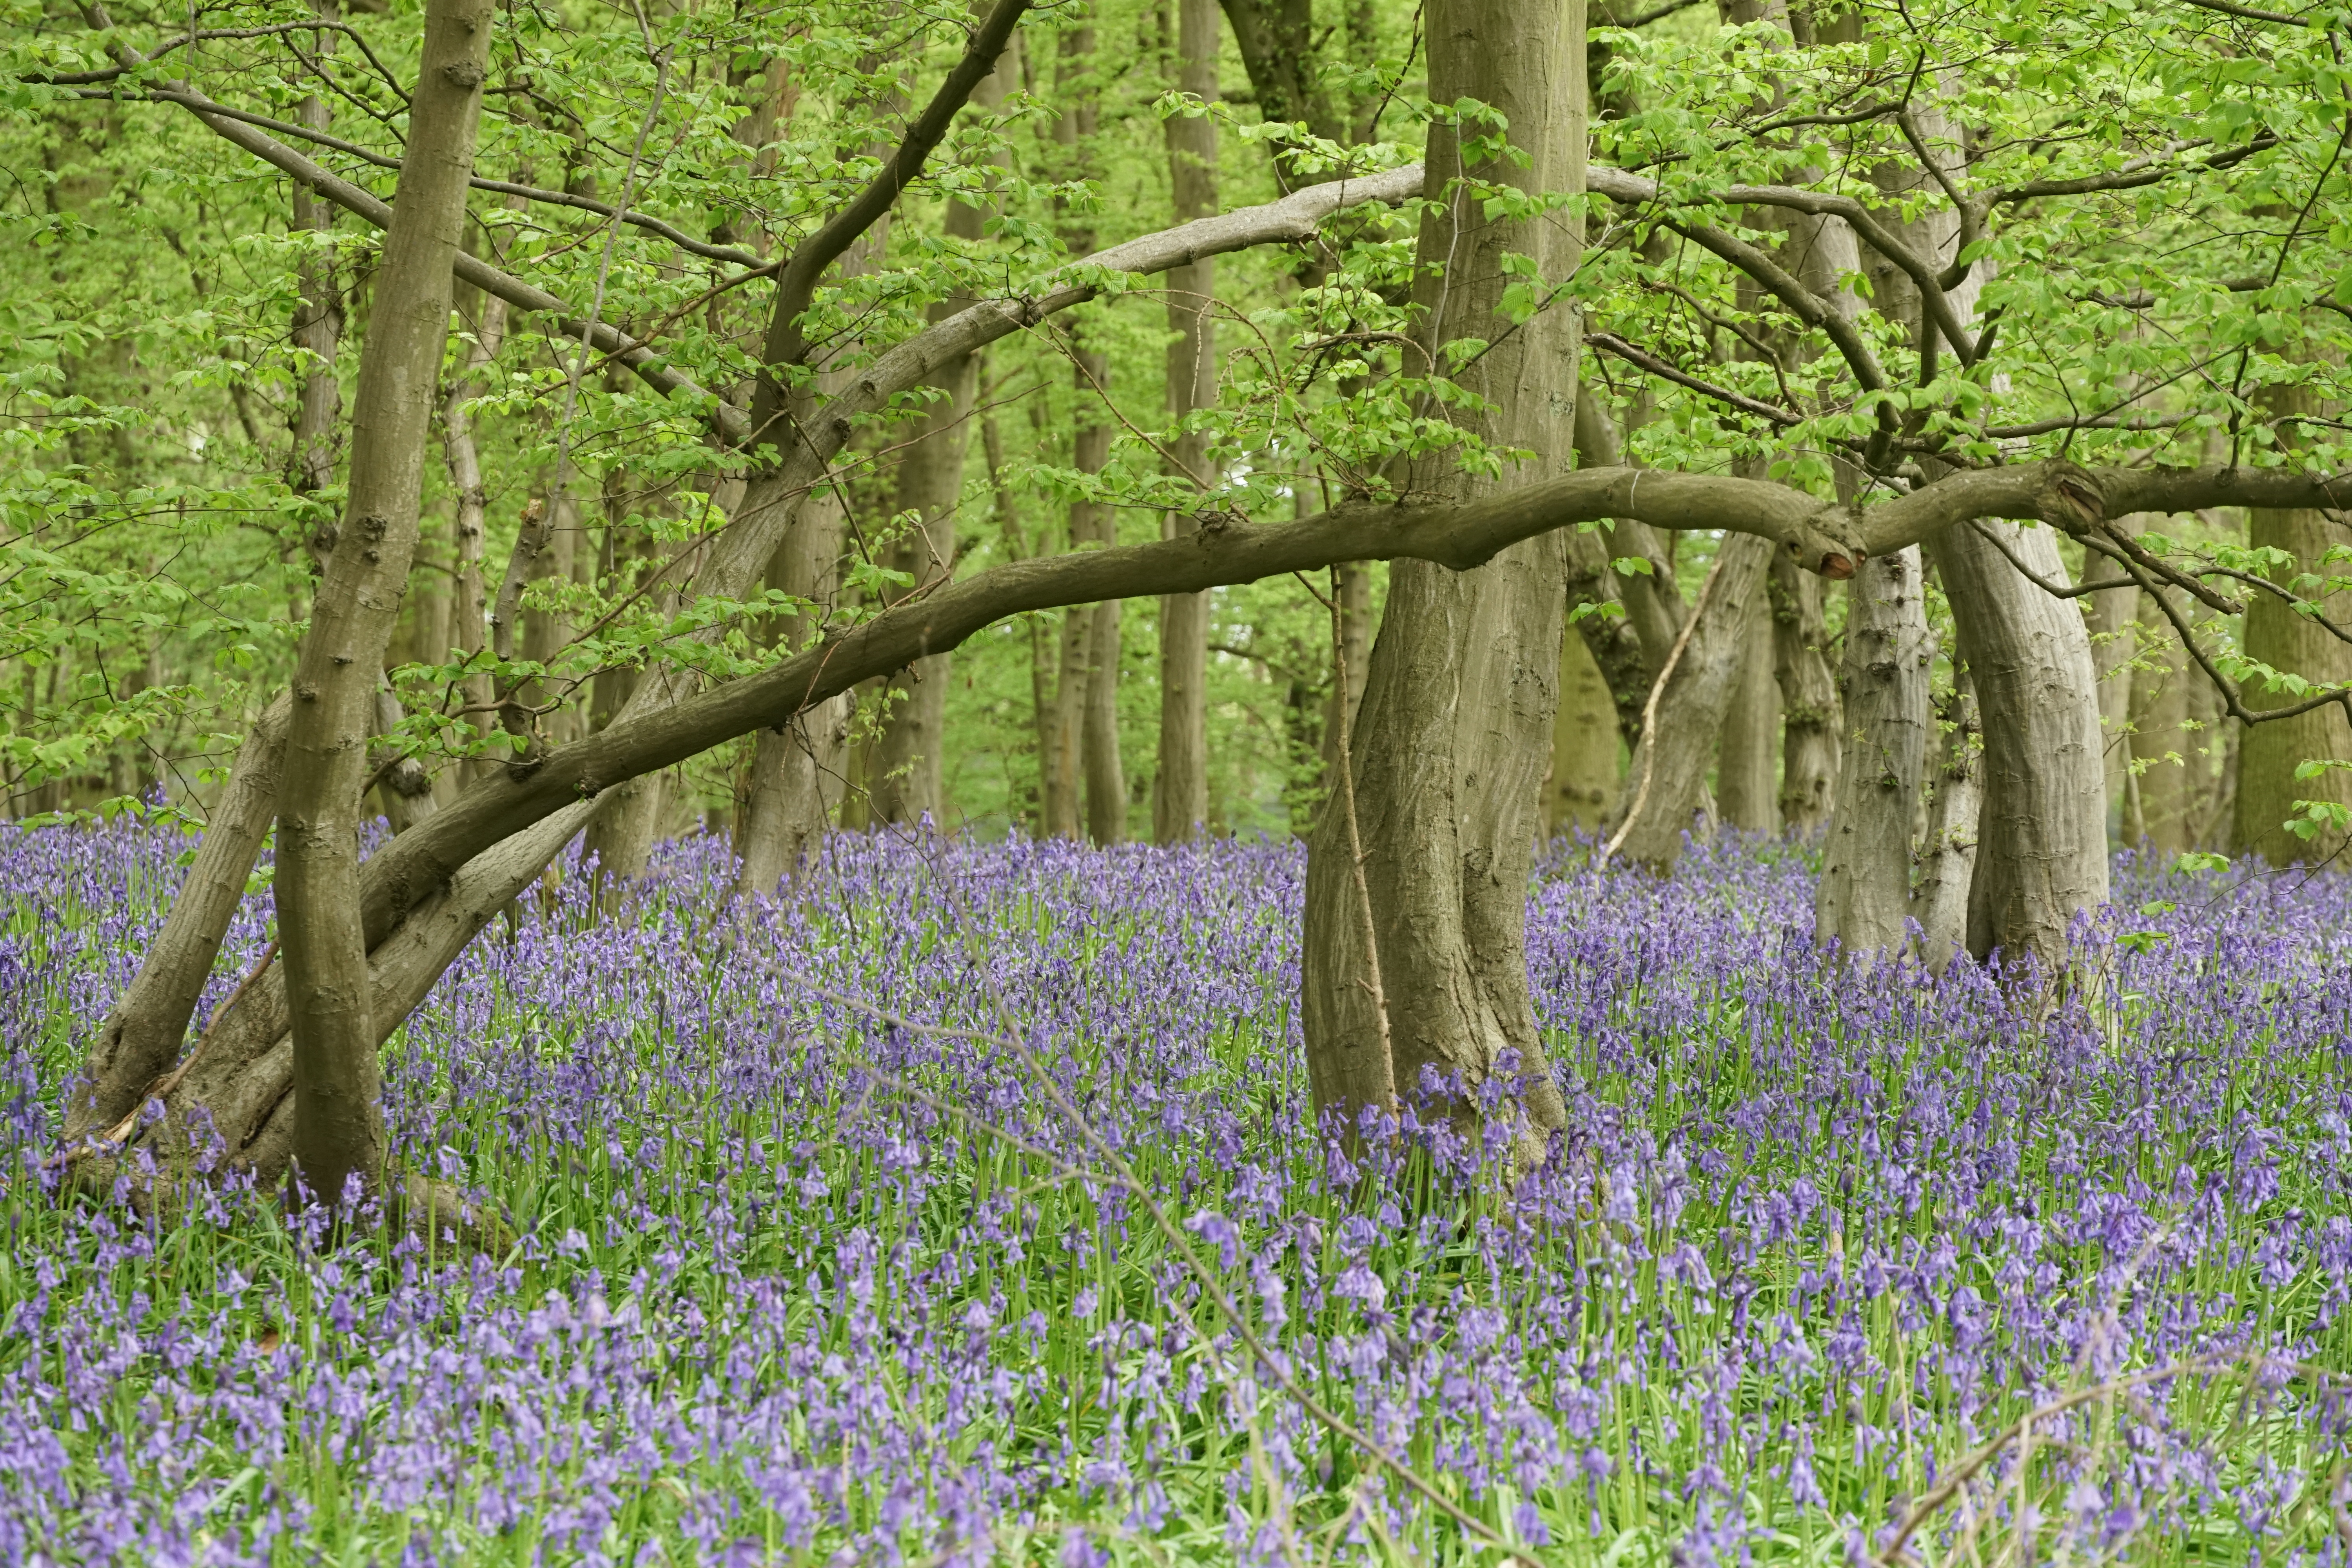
[1212,1287]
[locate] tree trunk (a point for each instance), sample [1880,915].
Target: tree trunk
[1685,715]
[406,789]
[318,312]
[2269,753]
[2162,749]
[1939,901]
[1106,774]
[338,1133]
[2041,855]
[1179,798]
[1585,747]
[470,613]
[149,1023]
[1865,895]
[906,785]
[2114,634]
[1809,697]
[797,770]
[1461,689]
[1353,591]
[1745,769]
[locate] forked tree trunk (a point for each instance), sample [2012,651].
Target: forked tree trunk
[1179,795]
[1864,896]
[1459,698]
[2041,854]
[1666,781]
[1809,697]
[1746,780]
[1947,855]
[338,1132]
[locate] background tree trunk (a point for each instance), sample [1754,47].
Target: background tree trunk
[1666,780]
[1939,900]
[2163,751]
[2113,633]
[2042,850]
[2269,753]
[1864,894]
[317,310]
[1808,696]
[1461,689]
[1179,798]
[1106,774]
[1585,747]
[338,1132]
[1746,766]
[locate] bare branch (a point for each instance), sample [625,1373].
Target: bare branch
[1612,343]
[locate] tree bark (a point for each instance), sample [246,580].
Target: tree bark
[1809,697]
[318,312]
[470,613]
[1461,691]
[1865,895]
[1746,774]
[2269,753]
[1106,771]
[2041,855]
[1668,775]
[2162,802]
[1351,659]
[338,1130]
[1180,799]
[1585,747]
[406,789]
[149,1023]
[2113,633]
[1939,900]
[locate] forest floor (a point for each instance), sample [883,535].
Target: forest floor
[1051,1265]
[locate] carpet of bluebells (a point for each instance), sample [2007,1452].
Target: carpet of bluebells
[968,1206]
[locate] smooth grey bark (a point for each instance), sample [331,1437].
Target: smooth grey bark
[1106,770]
[317,313]
[1351,590]
[1863,898]
[144,1030]
[1447,761]
[338,1133]
[2161,805]
[1746,780]
[1180,790]
[1810,715]
[1585,747]
[1666,781]
[2041,835]
[1939,899]
[797,774]
[2115,636]
[470,608]
[2269,752]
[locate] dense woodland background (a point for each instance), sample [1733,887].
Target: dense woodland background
[181,335]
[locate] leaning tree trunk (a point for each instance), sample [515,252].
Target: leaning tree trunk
[142,1035]
[1415,947]
[2269,753]
[1948,856]
[2042,835]
[1667,779]
[1180,794]
[338,1130]
[1746,771]
[1863,898]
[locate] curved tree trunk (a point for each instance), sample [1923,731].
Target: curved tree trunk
[1947,855]
[1864,896]
[1667,779]
[1461,693]
[338,1128]
[2041,854]
[142,1034]
[1180,793]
